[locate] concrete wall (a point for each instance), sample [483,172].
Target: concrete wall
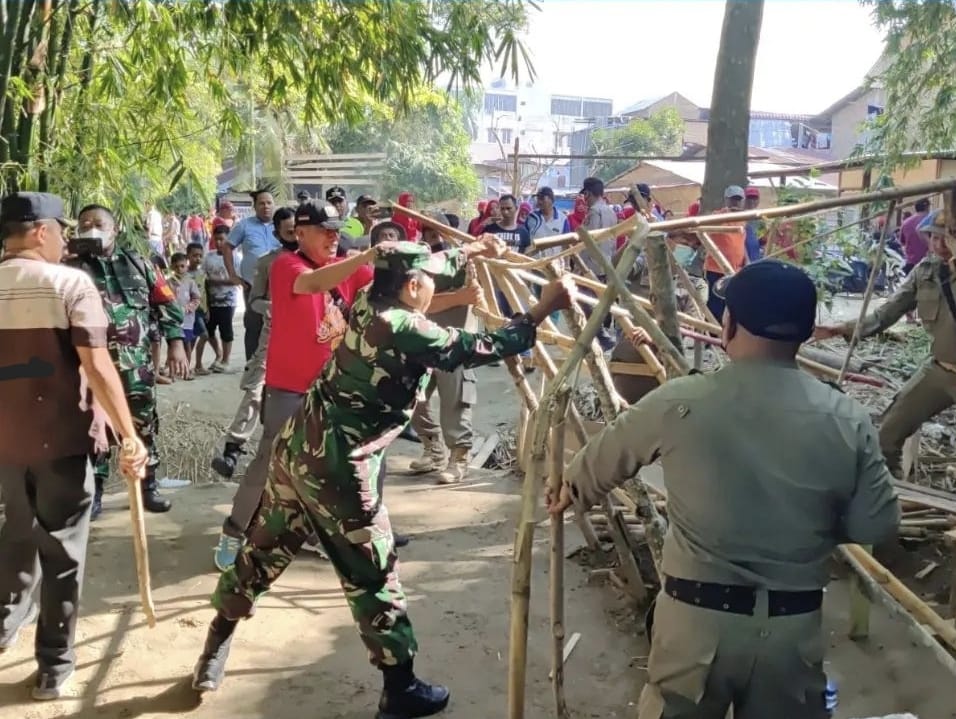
[847,122]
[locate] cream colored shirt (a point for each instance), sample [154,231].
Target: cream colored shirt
[767,470]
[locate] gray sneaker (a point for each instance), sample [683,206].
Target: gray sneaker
[50,686]
[8,642]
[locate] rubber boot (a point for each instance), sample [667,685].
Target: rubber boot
[434,456]
[225,465]
[211,667]
[457,467]
[96,508]
[152,501]
[407,697]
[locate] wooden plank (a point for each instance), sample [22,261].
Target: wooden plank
[926,496]
[308,157]
[485,450]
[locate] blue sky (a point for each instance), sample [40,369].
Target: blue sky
[812,52]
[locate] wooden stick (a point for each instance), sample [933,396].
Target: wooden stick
[663,297]
[555,480]
[805,208]
[920,611]
[638,313]
[878,590]
[870,285]
[140,549]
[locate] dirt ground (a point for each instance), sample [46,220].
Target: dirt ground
[301,657]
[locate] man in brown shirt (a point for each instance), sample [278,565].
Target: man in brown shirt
[52,353]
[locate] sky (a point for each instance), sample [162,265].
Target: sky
[811,53]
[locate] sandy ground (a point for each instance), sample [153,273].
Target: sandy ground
[301,657]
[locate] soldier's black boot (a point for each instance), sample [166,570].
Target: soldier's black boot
[410,434]
[96,508]
[406,697]
[225,465]
[211,667]
[152,501]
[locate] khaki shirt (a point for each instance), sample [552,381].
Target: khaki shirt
[921,291]
[766,468]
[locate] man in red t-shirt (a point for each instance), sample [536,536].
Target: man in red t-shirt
[309,318]
[732,245]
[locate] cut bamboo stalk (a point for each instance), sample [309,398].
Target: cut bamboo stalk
[916,607]
[140,549]
[870,285]
[663,296]
[879,591]
[702,308]
[638,313]
[555,480]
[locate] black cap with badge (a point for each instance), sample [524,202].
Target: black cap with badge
[365,200]
[33,207]
[310,214]
[335,193]
[771,299]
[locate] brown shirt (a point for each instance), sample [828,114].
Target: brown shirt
[46,311]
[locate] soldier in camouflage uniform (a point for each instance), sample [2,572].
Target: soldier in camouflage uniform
[325,471]
[133,294]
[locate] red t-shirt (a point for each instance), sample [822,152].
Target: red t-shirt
[305,328]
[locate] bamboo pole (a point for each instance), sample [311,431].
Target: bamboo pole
[663,297]
[859,605]
[916,607]
[870,285]
[556,573]
[685,280]
[638,313]
[715,253]
[140,548]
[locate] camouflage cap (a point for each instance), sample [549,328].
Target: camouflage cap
[407,256]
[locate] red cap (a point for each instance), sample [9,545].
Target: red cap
[694,209]
[752,192]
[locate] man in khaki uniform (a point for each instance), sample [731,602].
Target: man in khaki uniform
[933,388]
[767,470]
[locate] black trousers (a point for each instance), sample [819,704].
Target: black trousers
[252,322]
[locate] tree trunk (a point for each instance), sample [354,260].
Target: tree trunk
[729,126]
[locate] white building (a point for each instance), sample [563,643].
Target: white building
[542,122]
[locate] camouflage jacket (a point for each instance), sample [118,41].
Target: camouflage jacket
[385,359]
[134,294]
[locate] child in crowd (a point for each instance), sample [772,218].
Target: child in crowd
[195,253]
[188,297]
[222,299]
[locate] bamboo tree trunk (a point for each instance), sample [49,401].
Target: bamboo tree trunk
[556,569]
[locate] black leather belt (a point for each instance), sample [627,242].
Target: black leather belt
[737,599]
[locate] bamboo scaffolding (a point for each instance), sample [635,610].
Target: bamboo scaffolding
[556,565]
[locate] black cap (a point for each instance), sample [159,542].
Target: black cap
[303,195]
[33,207]
[594,185]
[545,192]
[645,190]
[771,299]
[388,224]
[311,214]
[365,200]
[335,193]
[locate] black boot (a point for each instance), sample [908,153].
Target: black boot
[96,508]
[225,465]
[400,540]
[406,697]
[410,434]
[211,667]
[152,501]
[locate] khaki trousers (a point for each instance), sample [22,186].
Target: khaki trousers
[927,393]
[457,394]
[703,662]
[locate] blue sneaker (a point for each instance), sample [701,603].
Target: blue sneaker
[227,551]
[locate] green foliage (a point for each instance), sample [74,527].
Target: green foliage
[660,134]
[426,147]
[918,79]
[122,101]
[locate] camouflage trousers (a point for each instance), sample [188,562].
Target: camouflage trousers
[343,509]
[140,389]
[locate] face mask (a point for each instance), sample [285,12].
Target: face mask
[90,242]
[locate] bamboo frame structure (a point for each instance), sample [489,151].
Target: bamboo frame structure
[550,414]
